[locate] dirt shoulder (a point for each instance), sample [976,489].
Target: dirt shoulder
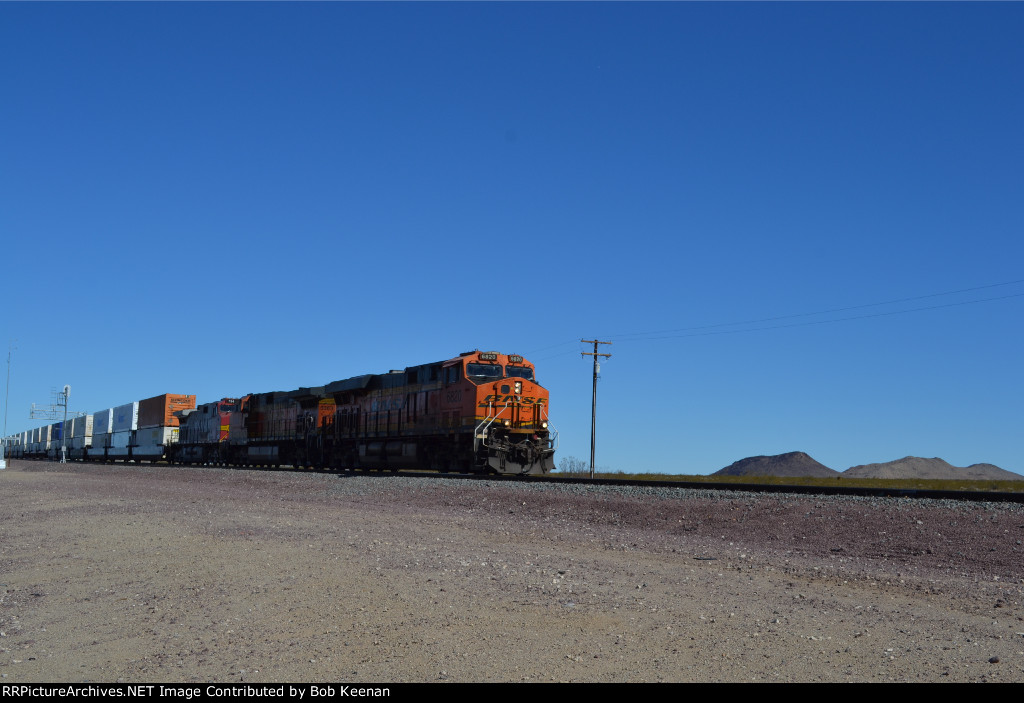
[157,574]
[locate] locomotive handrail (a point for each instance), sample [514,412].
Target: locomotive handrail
[484,424]
[552,432]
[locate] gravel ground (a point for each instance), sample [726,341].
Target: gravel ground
[160,574]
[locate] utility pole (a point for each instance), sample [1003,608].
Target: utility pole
[593,407]
[7,401]
[64,427]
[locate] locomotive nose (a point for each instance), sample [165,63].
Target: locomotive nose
[509,387]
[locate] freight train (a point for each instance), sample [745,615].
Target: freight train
[480,412]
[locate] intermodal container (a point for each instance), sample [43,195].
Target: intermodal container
[119,442]
[159,411]
[102,421]
[150,442]
[82,426]
[126,418]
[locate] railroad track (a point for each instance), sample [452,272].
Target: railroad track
[979,496]
[913,493]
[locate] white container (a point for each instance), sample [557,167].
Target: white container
[126,418]
[119,442]
[150,442]
[83,426]
[156,435]
[103,421]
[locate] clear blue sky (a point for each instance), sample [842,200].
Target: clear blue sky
[229,198]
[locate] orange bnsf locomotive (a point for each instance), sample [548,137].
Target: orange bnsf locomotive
[480,412]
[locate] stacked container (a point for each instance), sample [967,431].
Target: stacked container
[44,439]
[69,436]
[122,431]
[52,445]
[102,422]
[81,435]
[82,432]
[157,424]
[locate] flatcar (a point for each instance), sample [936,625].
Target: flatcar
[480,412]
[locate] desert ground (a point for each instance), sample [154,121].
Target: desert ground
[162,574]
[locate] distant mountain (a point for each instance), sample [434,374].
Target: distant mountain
[792,464]
[916,467]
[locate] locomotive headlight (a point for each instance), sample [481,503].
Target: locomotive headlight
[507,423]
[519,387]
[544,425]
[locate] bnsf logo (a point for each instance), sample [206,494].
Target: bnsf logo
[525,400]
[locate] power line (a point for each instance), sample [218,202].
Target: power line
[835,310]
[709,330]
[822,322]
[552,346]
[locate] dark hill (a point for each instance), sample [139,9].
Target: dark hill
[792,464]
[917,467]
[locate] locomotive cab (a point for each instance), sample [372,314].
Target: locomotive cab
[509,417]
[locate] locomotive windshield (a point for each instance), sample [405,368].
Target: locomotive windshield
[482,372]
[519,372]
